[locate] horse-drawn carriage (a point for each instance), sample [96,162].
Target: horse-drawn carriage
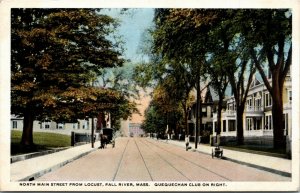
[107,137]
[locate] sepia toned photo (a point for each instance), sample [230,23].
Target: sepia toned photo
[149,97]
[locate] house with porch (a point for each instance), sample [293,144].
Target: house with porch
[208,106]
[257,118]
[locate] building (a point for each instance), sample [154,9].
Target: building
[257,118]
[132,126]
[82,126]
[208,97]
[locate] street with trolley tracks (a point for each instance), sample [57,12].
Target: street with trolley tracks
[144,159]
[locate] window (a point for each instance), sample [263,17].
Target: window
[231,125]
[189,114]
[15,124]
[47,126]
[290,96]
[224,125]
[231,107]
[60,126]
[249,102]
[268,122]
[268,100]
[286,122]
[256,123]
[215,126]
[249,124]
[194,111]
[257,104]
[204,112]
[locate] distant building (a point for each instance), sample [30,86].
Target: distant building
[132,126]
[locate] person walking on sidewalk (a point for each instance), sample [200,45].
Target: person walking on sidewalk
[187,142]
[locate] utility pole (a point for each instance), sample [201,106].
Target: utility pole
[92,137]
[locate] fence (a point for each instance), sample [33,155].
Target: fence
[80,138]
[254,141]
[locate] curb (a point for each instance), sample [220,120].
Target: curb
[279,172]
[17,158]
[32,177]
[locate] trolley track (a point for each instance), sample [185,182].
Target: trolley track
[165,160]
[151,144]
[120,161]
[143,160]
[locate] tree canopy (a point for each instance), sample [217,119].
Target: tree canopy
[55,55]
[226,45]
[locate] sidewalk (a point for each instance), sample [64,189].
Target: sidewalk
[31,169]
[276,165]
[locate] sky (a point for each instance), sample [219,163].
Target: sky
[133,23]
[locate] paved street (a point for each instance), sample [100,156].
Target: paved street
[144,159]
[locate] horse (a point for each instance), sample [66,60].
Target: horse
[103,141]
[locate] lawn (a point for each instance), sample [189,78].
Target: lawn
[42,140]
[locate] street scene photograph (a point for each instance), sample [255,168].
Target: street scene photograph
[159,99]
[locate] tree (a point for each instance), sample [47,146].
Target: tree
[167,106]
[163,110]
[55,54]
[153,122]
[269,35]
[223,51]
[218,81]
[198,35]
[184,48]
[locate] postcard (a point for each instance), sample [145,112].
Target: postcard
[149,95]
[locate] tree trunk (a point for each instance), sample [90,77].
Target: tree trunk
[240,125]
[27,138]
[186,122]
[219,114]
[218,125]
[198,107]
[277,116]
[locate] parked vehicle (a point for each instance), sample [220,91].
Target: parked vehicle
[109,132]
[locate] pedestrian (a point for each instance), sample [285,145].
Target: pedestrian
[167,134]
[187,142]
[101,141]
